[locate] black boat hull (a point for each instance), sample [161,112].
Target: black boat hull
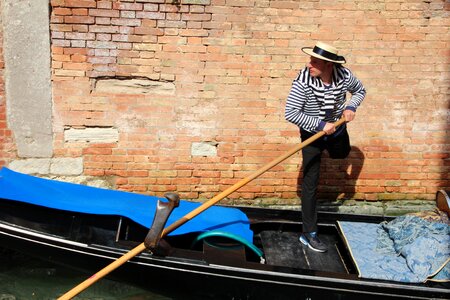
[205,274]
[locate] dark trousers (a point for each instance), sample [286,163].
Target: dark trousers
[338,147]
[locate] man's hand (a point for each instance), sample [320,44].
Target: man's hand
[349,115]
[329,128]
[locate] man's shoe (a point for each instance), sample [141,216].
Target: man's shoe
[312,241]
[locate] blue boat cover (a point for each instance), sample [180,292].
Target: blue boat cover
[407,249]
[140,208]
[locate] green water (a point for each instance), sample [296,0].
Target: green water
[26,278]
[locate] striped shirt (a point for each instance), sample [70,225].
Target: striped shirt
[310,103]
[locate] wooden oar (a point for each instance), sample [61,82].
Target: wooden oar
[140,248]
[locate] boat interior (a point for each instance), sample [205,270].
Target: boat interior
[275,244]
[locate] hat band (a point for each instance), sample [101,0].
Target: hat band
[326,54]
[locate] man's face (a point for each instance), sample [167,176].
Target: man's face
[318,66]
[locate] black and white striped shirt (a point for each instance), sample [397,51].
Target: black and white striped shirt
[310,103]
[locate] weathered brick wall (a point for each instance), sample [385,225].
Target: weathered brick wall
[188,95]
[7,149]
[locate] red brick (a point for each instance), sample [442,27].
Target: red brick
[80,3]
[80,12]
[79,20]
[128,6]
[104,13]
[62,11]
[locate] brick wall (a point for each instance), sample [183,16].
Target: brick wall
[7,148]
[161,77]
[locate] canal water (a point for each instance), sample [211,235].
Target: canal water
[26,278]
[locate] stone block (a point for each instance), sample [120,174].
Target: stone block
[39,166]
[66,166]
[134,86]
[91,135]
[204,149]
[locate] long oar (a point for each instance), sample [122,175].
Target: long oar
[140,248]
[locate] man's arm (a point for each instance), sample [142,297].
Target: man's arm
[356,88]
[295,105]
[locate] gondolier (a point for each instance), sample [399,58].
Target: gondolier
[316,101]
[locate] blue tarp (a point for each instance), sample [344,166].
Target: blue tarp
[140,208]
[407,249]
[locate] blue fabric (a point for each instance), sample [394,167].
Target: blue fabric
[139,208]
[404,230]
[406,249]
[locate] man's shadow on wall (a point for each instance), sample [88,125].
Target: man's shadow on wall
[338,179]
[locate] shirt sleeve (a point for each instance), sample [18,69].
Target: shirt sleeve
[294,111]
[356,89]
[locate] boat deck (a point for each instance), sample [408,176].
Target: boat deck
[284,249]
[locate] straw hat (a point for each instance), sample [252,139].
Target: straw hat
[325,52]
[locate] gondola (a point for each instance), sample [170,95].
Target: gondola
[225,253]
